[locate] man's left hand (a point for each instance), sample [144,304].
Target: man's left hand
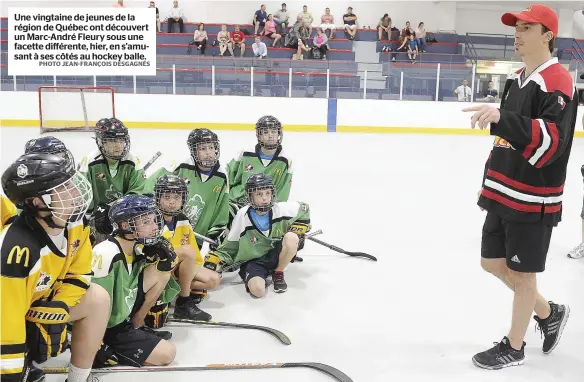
[484,115]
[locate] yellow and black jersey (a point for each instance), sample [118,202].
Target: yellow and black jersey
[182,234]
[33,268]
[7,211]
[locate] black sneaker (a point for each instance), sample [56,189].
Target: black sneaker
[35,374]
[91,378]
[500,356]
[190,311]
[165,335]
[552,327]
[280,285]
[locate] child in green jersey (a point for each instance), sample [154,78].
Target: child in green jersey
[264,237]
[207,205]
[112,170]
[267,158]
[135,276]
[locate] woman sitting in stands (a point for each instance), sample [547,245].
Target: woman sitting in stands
[270,30]
[223,40]
[200,38]
[320,41]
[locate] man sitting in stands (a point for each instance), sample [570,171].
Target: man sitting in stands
[350,20]
[260,50]
[175,16]
[237,39]
[328,22]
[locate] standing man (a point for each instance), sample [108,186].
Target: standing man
[524,180]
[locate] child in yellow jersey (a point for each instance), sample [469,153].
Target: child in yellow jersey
[170,193]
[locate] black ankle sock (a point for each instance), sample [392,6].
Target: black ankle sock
[181,300]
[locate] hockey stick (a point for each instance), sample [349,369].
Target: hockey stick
[276,333]
[326,369]
[340,250]
[211,241]
[151,161]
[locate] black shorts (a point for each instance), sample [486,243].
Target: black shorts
[133,345]
[262,266]
[524,245]
[269,35]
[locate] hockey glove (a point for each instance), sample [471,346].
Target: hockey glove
[157,316]
[46,329]
[162,254]
[105,357]
[218,237]
[213,262]
[198,295]
[299,229]
[101,219]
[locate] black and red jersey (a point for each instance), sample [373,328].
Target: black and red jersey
[525,173]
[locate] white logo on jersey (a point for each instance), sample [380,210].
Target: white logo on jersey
[131,298]
[194,208]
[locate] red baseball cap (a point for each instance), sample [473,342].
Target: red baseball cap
[536,14]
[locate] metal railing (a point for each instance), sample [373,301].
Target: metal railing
[469,50]
[492,46]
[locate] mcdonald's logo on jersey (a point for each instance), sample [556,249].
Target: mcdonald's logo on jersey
[217,189]
[20,252]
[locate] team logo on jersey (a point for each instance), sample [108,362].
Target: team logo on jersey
[112,194]
[500,142]
[253,239]
[100,176]
[303,207]
[185,239]
[74,247]
[248,167]
[561,102]
[44,282]
[194,208]
[187,180]
[217,189]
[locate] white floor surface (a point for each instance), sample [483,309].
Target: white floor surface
[421,312]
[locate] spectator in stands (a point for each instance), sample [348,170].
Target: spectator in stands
[350,20]
[299,31]
[402,47]
[408,31]
[119,4]
[307,18]
[463,92]
[412,49]
[153,5]
[260,50]
[200,38]
[384,25]
[320,41]
[270,30]
[223,40]
[302,47]
[327,21]
[237,39]
[175,16]
[421,36]
[491,93]
[281,17]
[259,19]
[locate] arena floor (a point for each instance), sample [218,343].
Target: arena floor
[421,312]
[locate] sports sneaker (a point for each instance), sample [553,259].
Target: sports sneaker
[280,285]
[91,378]
[552,327]
[577,252]
[190,311]
[500,356]
[35,374]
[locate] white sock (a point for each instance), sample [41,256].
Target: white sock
[77,374]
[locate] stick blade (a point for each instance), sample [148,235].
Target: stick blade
[284,339]
[362,254]
[326,369]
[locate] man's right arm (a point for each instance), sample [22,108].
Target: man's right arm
[18,259]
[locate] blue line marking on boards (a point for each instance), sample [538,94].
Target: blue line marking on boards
[331,117]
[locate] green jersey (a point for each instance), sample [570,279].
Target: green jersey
[208,201]
[111,182]
[246,242]
[118,274]
[248,163]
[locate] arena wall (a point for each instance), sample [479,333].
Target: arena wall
[152,111]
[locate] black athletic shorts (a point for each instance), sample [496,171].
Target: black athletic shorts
[262,266]
[524,245]
[133,345]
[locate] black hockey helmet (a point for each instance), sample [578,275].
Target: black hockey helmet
[66,193]
[137,211]
[170,184]
[263,126]
[48,145]
[112,130]
[260,182]
[199,137]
